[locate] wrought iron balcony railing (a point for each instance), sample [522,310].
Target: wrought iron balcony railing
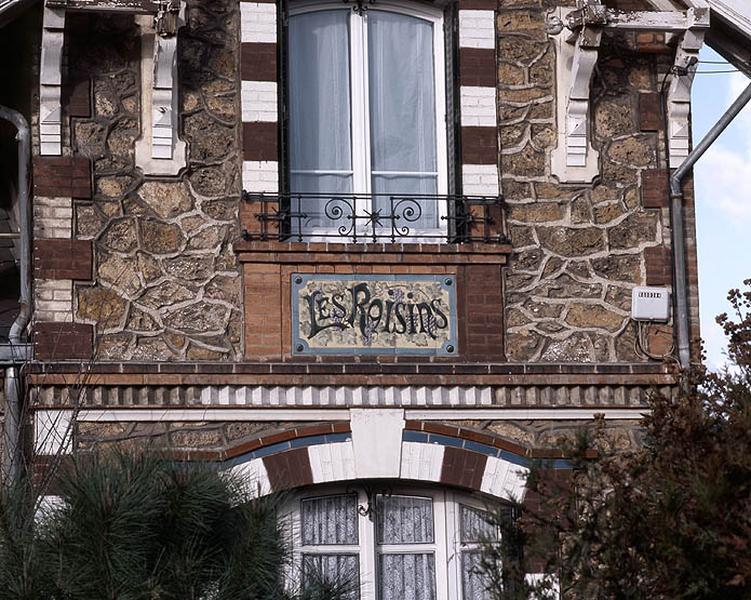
[363,218]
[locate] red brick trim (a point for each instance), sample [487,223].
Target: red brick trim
[658,265]
[650,118]
[655,188]
[258,61]
[479,145]
[260,141]
[63,259]
[478,4]
[288,470]
[477,67]
[463,468]
[63,341]
[481,312]
[287,435]
[77,98]
[488,439]
[62,176]
[419,255]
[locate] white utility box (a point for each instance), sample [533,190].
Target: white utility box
[650,304]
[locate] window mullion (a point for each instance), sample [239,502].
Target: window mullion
[359,108]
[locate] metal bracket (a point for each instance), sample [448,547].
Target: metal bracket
[574,159]
[360,6]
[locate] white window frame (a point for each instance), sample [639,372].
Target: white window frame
[447,547]
[360,107]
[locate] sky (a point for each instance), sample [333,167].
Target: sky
[723,191]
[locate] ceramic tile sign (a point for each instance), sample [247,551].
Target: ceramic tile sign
[374,314]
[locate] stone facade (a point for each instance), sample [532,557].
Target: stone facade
[193,321]
[579,249]
[167,286]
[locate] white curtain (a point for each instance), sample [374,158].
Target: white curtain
[404,520]
[475,583]
[320,151]
[402,108]
[329,520]
[477,525]
[407,576]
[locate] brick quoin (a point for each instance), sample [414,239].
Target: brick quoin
[655,188]
[479,145]
[659,266]
[477,67]
[63,259]
[63,341]
[62,177]
[650,117]
[260,141]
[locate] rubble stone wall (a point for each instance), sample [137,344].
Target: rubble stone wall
[167,285]
[578,249]
[222,436]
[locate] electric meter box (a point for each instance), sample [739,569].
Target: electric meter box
[650,304]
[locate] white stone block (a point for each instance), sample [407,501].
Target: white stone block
[253,476]
[480,180]
[258,22]
[53,431]
[478,107]
[504,479]
[259,101]
[477,28]
[422,462]
[261,176]
[332,462]
[377,441]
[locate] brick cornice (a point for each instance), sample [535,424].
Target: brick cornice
[346,374]
[334,253]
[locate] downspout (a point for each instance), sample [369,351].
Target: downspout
[11,430]
[676,209]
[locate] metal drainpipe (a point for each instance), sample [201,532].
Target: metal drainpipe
[676,209]
[12,428]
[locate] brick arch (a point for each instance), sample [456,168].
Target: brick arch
[429,452]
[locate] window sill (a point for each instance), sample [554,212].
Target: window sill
[369,253]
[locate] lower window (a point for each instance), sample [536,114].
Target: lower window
[409,544]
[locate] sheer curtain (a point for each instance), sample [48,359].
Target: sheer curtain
[476,527]
[402,108]
[405,520]
[331,521]
[320,149]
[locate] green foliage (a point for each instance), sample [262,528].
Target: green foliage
[668,520]
[134,526]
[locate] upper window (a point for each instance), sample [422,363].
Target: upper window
[367,115]
[417,546]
